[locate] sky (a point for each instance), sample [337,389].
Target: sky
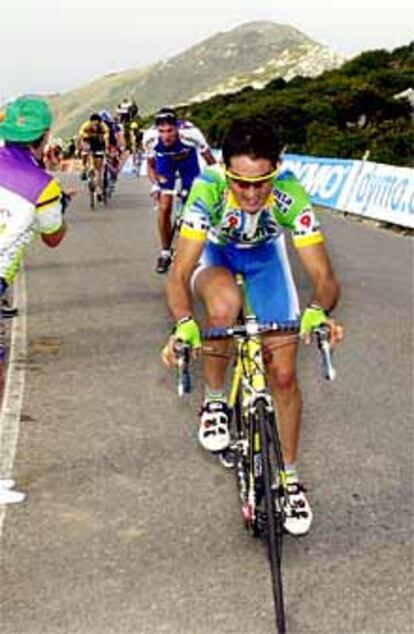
[49,46]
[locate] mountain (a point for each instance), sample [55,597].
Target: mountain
[250,54]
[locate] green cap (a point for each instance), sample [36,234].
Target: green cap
[25,120]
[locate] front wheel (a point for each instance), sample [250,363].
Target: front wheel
[92,191]
[274,518]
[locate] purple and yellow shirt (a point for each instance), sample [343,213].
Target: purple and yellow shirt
[30,203]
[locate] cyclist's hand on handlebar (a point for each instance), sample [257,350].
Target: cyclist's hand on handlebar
[187,331]
[168,356]
[313,317]
[155,192]
[336,332]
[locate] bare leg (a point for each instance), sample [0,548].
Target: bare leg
[281,368]
[218,290]
[98,163]
[164,219]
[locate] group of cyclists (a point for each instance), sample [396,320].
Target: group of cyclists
[235,215]
[111,138]
[103,139]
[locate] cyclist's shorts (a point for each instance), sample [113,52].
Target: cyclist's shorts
[94,146]
[167,167]
[269,284]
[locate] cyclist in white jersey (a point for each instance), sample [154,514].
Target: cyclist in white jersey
[172,148]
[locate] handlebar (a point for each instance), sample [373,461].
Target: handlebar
[252,328]
[183,355]
[183,350]
[322,338]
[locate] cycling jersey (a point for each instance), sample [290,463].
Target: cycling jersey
[213,213]
[252,244]
[90,131]
[181,157]
[30,203]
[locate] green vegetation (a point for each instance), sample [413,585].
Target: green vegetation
[342,113]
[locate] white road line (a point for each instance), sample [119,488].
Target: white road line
[13,394]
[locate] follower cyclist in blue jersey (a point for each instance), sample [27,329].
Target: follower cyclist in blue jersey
[172,148]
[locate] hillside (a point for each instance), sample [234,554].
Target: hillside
[250,54]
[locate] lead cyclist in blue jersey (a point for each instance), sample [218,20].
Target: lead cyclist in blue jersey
[172,148]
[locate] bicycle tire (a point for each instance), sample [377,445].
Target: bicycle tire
[92,195]
[274,520]
[105,185]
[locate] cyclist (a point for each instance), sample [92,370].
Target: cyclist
[127,110]
[115,151]
[234,221]
[31,202]
[53,154]
[134,144]
[172,147]
[93,139]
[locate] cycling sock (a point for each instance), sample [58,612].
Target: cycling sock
[165,252]
[291,472]
[214,395]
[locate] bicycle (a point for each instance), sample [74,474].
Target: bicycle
[110,175]
[92,182]
[259,466]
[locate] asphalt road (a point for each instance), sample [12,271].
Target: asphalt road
[129,527]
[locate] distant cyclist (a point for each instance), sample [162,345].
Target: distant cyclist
[134,144]
[127,110]
[115,149]
[93,139]
[53,154]
[172,147]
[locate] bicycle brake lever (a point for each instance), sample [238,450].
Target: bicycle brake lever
[183,353]
[322,337]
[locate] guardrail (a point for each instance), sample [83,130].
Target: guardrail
[371,190]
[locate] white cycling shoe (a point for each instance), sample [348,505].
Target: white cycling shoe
[298,513]
[7,495]
[213,433]
[7,483]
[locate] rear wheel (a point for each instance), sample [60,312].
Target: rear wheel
[92,189]
[274,516]
[105,186]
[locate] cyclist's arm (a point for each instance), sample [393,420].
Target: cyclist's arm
[151,171]
[49,218]
[105,135]
[326,289]
[83,132]
[178,285]
[208,157]
[53,240]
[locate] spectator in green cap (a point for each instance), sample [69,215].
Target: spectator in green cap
[31,200]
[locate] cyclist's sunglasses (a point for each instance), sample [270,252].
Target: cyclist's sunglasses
[165,118]
[244,182]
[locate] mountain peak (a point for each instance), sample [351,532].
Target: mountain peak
[251,53]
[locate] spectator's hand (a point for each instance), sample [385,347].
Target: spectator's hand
[70,192]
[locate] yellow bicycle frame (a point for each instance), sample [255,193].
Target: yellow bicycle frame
[249,364]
